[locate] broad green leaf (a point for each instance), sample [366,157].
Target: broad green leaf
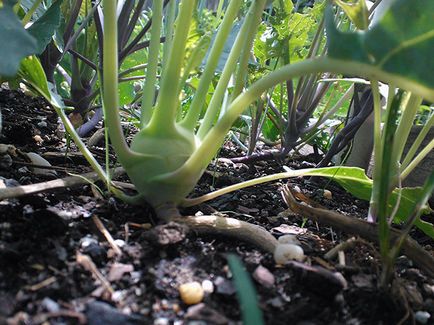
[356,11]
[401,42]
[16,42]
[32,73]
[270,131]
[43,29]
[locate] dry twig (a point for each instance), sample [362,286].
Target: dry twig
[70,181]
[107,235]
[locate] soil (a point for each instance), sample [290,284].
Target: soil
[52,253]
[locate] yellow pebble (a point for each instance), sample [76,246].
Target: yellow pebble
[191,293]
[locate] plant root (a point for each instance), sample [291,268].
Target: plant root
[364,229]
[230,227]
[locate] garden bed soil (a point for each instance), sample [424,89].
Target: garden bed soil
[52,252]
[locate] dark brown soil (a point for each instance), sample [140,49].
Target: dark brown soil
[43,238]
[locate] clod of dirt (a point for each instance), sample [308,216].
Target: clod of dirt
[170,233]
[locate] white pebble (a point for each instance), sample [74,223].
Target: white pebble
[120,242]
[207,286]
[288,239]
[422,317]
[287,252]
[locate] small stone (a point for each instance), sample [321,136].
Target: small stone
[50,305]
[38,160]
[289,239]
[429,289]
[5,161]
[224,286]
[86,241]
[276,302]
[207,286]
[191,293]
[284,253]
[413,295]
[42,124]
[38,139]
[264,276]
[120,243]
[327,195]
[422,317]
[161,321]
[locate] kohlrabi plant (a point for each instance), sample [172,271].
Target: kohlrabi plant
[168,155]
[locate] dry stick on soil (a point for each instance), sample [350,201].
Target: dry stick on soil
[362,228]
[107,235]
[70,181]
[87,263]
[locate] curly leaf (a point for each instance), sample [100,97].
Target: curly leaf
[32,73]
[356,11]
[43,29]
[401,42]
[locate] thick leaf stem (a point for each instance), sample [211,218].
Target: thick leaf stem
[167,103]
[110,82]
[216,100]
[151,69]
[411,166]
[241,75]
[376,174]
[252,182]
[416,144]
[195,109]
[405,125]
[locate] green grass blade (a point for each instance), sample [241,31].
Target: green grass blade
[246,293]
